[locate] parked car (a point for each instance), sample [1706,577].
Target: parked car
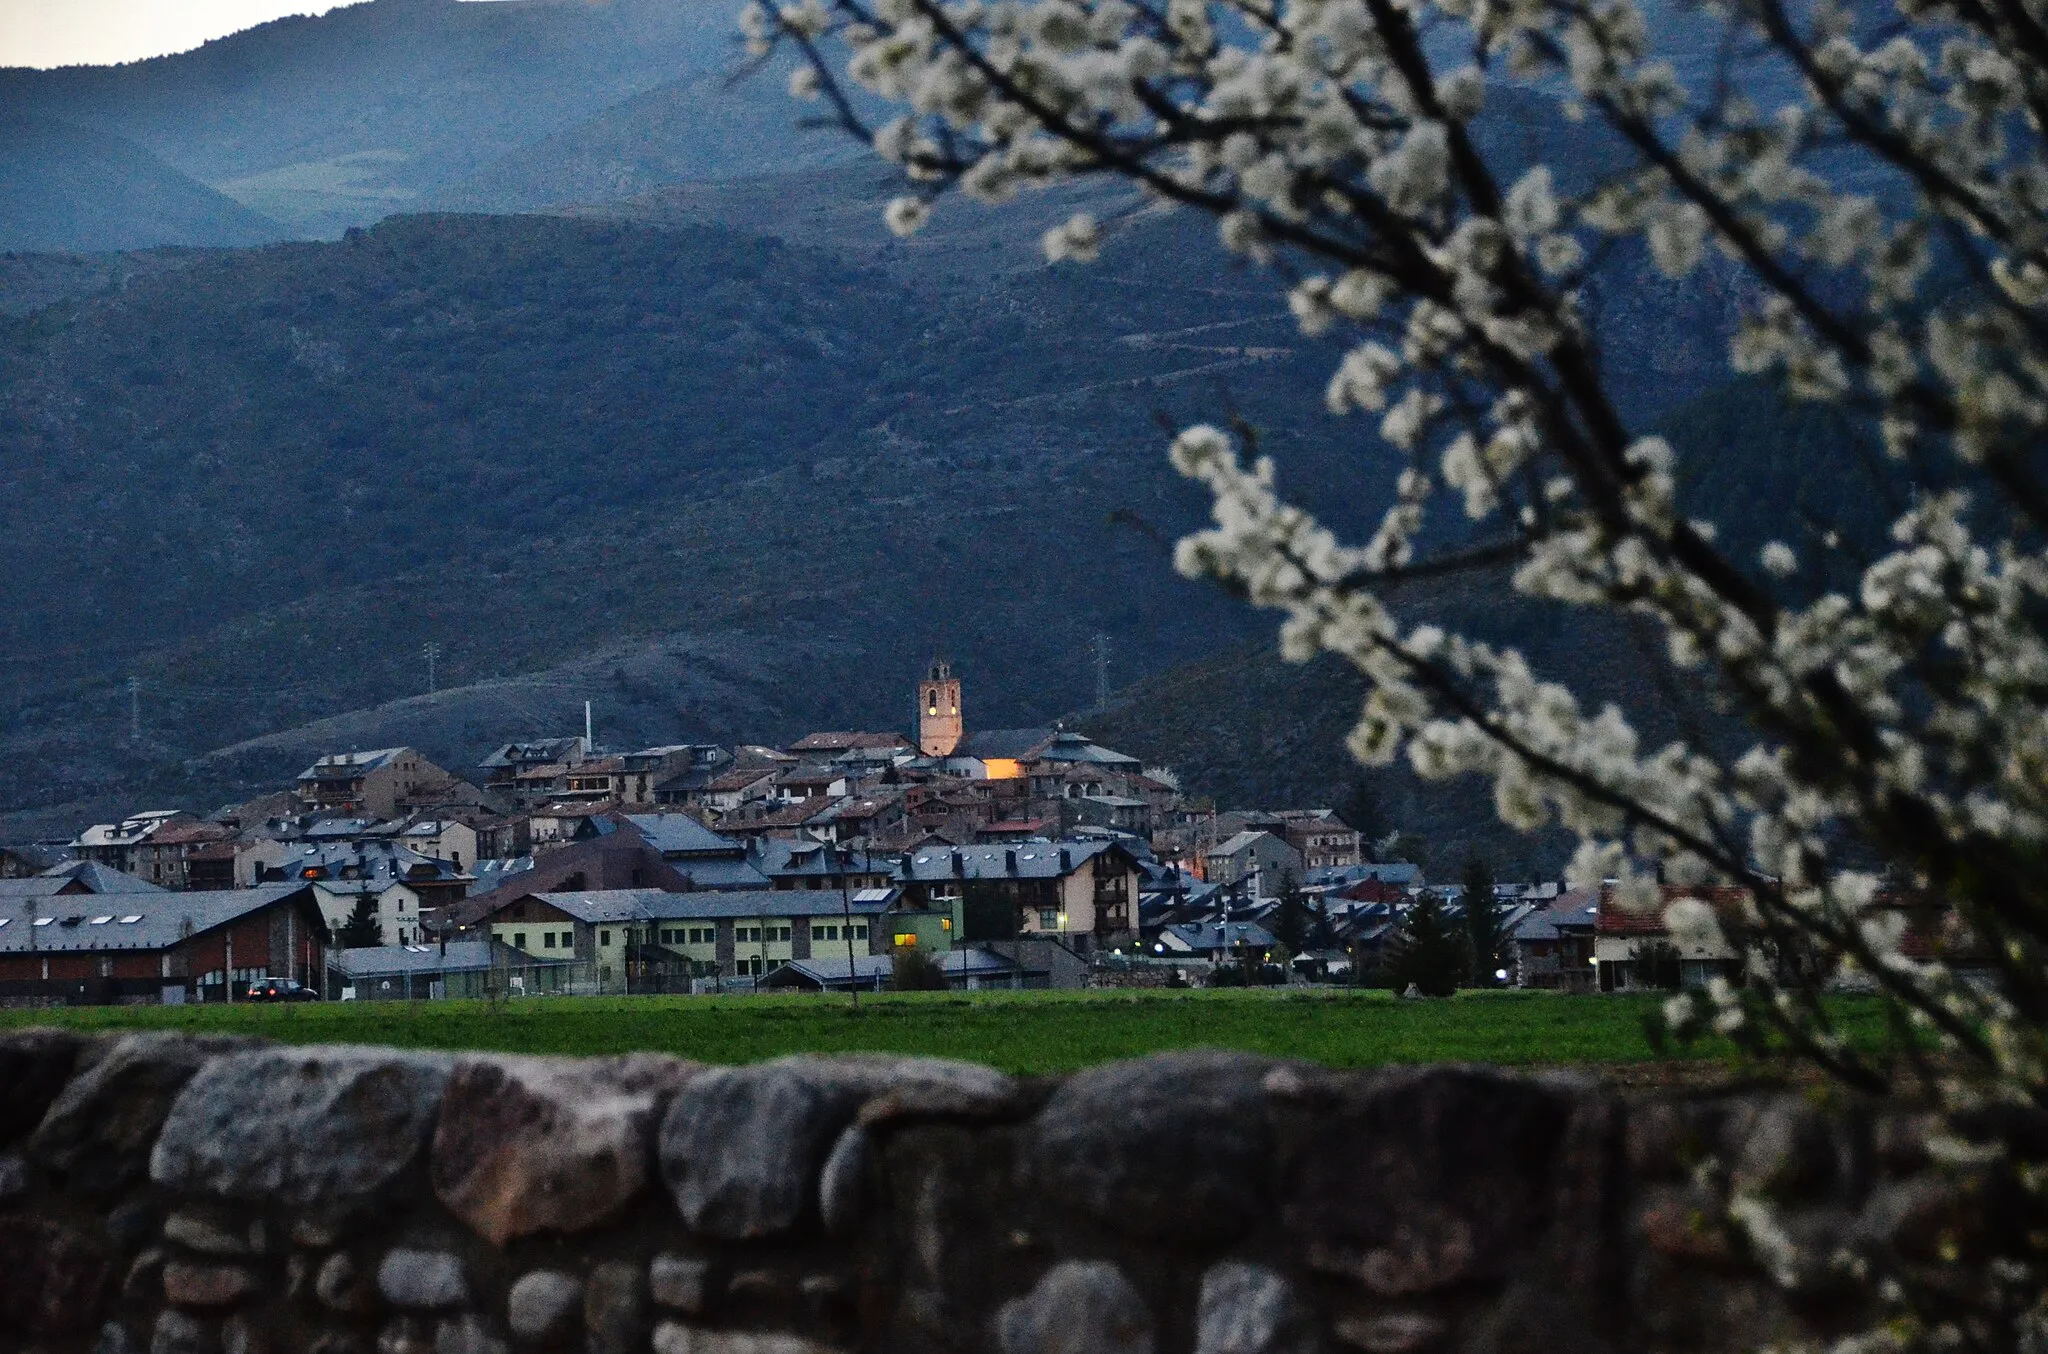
[281,989]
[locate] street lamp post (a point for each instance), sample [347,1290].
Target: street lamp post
[832,854]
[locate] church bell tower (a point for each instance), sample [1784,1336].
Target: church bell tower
[939,726]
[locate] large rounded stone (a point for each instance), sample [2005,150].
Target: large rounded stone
[1249,1309]
[541,1307]
[1079,1307]
[34,1065]
[177,1333]
[1427,1179]
[300,1126]
[52,1279]
[422,1280]
[614,1309]
[528,1145]
[98,1131]
[741,1148]
[1174,1146]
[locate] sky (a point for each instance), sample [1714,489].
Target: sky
[103,32]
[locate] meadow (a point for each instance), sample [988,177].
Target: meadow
[1020,1032]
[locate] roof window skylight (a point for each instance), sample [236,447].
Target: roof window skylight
[101,921]
[131,919]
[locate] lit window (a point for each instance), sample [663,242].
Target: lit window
[945,923]
[906,939]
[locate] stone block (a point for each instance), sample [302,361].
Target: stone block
[467,1334]
[680,1283]
[300,1126]
[53,1279]
[1427,1179]
[206,1234]
[1177,1146]
[342,1285]
[194,1284]
[541,1307]
[240,1335]
[528,1145]
[1685,1223]
[14,1178]
[675,1338]
[1249,1309]
[1781,1147]
[144,1281]
[1391,1332]
[34,1065]
[181,1333]
[741,1148]
[1078,1307]
[99,1131]
[422,1280]
[405,1335]
[116,1338]
[614,1309]
[842,1184]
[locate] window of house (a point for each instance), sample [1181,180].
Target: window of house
[519,940]
[945,923]
[860,930]
[906,939]
[783,932]
[1048,919]
[825,933]
[604,937]
[547,940]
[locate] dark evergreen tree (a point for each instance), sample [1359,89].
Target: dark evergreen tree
[1429,952]
[987,912]
[1656,964]
[1291,920]
[360,931]
[1485,935]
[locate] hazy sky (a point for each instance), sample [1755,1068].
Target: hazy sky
[102,32]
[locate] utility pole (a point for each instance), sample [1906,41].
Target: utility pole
[135,709]
[1101,671]
[431,652]
[846,925]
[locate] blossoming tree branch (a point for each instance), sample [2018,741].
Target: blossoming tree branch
[1899,751]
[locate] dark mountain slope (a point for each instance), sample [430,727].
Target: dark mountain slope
[68,187]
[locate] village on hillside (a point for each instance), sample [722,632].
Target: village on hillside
[957,857]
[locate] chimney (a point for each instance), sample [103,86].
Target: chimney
[1010,862]
[959,866]
[1066,861]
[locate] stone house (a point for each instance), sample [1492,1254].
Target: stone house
[1257,860]
[377,783]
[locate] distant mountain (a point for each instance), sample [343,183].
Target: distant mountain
[700,127]
[65,187]
[323,123]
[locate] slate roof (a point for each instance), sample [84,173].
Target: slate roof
[1009,744]
[533,750]
[1026,860]
[830,970]
[618,906]
[346,764]
[1241,841]
[1210,935]
[842,741]
[99,878]
[678,834]
[720,874]
[463,956]
[780,858]
[132,921]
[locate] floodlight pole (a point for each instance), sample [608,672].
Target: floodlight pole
[846,926]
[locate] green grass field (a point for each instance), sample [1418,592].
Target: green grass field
[1027,1033]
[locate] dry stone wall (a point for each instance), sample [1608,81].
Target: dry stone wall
[220,1196]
